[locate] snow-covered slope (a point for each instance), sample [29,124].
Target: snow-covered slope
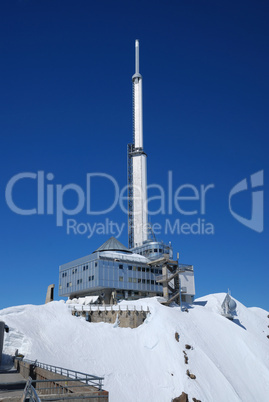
[229,359]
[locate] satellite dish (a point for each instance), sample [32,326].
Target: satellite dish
[228,306]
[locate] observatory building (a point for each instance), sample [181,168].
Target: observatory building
[146,268]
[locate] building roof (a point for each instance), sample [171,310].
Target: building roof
[113,244]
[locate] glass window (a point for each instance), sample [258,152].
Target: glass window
[152,282]
[134,268]
[155,250]
[143,269]
[139,280]
[129,279]
[148,281]
[120,266]
[130,267]
[67,285]
[91,278]
[121,278]
[139,269]
[143,280]
[161,250]
[134,280]
[147,269]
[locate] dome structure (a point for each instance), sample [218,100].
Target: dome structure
[112,244]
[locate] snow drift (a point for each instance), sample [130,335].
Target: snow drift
[230,359]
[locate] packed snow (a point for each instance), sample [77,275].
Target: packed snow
[230,359]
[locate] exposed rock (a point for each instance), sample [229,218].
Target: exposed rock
[177,336]
[182,398]
[192,376]
[188,346]
[196,400]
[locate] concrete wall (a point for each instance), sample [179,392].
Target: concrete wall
[50,294]
[2,331]
[126,319]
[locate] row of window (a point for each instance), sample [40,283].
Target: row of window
[139,280]
[69,284]
[75,270]
[143,269]
[155,250]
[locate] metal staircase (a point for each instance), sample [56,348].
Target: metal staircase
[170,279]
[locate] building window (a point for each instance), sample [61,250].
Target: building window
[139,280]
[134,268]
[67,285]
[134,280]
[152,281]
[147,269]
[155,250]
[148,281]
[152,270]
[143,280]
[161,250]
[143,269]
[79,281]
[139,269]
[75,271]
[130,267]
[95,264]
[129,279]
[85,267]
[63,275]
[121,278]
[120,266]
[91,278]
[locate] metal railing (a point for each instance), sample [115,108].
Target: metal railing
[29,392]
[107,307]
[88,379]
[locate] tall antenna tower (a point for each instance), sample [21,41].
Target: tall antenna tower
[137,167]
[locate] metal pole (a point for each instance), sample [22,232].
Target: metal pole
[137,56]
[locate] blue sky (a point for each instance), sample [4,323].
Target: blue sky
[66,109]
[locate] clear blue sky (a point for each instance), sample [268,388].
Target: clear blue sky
[66,109]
